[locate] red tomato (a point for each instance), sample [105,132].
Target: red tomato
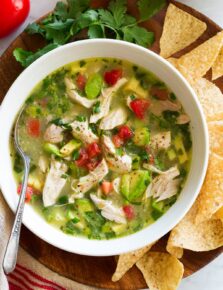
[125,132]
[161,94]
[117,141]
[92,164]
[81,81]
[139,107]
[129,211]
[33,127]
[29,192]
[93,150]
[111,77]
[83,158]
[12,14]
[106,187]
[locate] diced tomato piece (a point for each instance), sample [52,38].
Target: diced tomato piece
[93,150]
[83,158]
[111,77]
[106,187]
[81,81]
[161,94]
[139,107]
[92,164]
[125,132]
[129,211]
[117,141]
[33,127]
[29,192]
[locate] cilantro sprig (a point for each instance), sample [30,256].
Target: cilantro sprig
[71,18]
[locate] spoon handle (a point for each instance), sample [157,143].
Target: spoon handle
[10,257]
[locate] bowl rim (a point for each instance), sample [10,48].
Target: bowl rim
[111,247]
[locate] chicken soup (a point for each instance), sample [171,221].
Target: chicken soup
[110,148]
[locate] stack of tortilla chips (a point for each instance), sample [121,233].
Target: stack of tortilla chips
[202,227]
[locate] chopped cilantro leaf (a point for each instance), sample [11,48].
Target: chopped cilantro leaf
[81,118]
[96,108]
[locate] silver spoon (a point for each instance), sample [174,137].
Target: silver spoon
[10,257]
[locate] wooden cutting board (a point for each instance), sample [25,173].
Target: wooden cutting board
[97,271]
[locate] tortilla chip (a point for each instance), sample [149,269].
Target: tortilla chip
[205,236]
[215,130]
[180,30]
[217,68]
[211,99]
[219,214]
[198,61]
[174,251]
[210,198]
[126,261]
[173,61]
[161,271]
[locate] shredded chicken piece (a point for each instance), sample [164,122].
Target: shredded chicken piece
[54,182]
[86,182]
[183,119]
[53,134]
[105,100]
[81,131]
[74,96]
[158,107]
[153,168]
[128,101]
[43,163]
[164,185]
[161,140]
[115,118]
[109,210]
[116,162]
[116,184]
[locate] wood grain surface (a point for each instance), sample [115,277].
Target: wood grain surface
[97,271]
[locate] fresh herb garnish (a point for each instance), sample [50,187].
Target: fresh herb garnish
[96,108]
[69,19]
[27,57]
[62,199]
[81,118]
[76,155]
[59,122]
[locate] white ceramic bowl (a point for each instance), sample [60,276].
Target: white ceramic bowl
[20,90]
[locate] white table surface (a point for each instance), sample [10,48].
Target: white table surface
[210,277]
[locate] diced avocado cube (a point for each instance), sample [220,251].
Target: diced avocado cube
[93,86]
[69,148]
[125,185]
[52,149]
[159,206]
[171,154]
[84,205]
[141,136]
[119,228]
[106,227]
[136,162]
[134,184]
[179,145]
[157,209]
